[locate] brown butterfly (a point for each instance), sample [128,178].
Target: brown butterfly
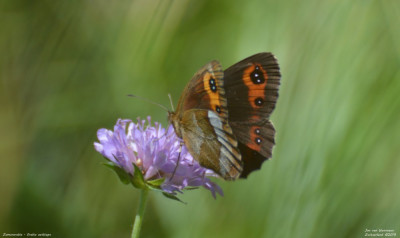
[223,116]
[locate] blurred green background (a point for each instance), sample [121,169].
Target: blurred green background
[67,66]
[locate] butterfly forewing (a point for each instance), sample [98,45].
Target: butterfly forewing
[205,91]
[251,86]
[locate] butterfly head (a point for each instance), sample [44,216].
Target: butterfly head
[174,121]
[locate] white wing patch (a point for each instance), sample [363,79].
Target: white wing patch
[229,154]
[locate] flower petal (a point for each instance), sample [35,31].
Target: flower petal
[157,152]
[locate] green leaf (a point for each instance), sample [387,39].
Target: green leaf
[138,179]
[154,188]
[173,197]
[122,174]
[156,182]
[190,188]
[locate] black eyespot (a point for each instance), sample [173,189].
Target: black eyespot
[257,131]
[218,109]
[259,102]
[258,140]
[212,85]
[257,76]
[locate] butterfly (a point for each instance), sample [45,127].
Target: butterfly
[223,116]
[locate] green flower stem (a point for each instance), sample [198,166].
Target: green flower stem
[139,215]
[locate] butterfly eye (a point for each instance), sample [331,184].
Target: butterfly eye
[257,76]
[258,141]
[259,102]
[212,85]
[257,131]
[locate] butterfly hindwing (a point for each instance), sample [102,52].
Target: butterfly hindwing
[251,88]
[254,154]
[209,139]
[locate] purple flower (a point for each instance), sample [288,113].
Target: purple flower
[155,151]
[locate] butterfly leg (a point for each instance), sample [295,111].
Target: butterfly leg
[177,162]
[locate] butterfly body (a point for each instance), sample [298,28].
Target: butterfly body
[223,116]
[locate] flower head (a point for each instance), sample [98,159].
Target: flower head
[157,153]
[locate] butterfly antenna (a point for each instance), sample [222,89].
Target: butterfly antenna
[147,100]
[170,100]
